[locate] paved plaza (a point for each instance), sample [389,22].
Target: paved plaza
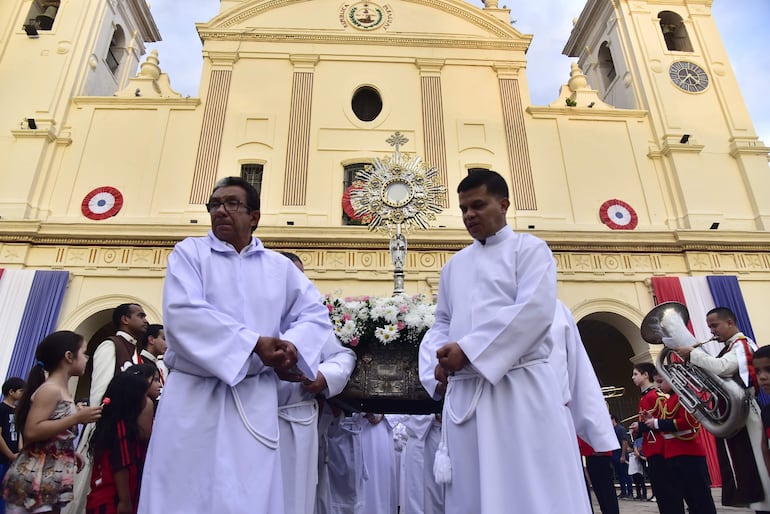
[645,507]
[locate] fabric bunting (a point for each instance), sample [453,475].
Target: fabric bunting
[700,295]
[30,302]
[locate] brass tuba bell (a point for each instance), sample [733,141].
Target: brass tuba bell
[721,406]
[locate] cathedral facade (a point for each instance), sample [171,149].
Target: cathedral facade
[646,164]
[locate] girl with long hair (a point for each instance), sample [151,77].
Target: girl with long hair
[119,443]
[41,477]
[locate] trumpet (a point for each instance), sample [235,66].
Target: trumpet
[721,406]
[613,391]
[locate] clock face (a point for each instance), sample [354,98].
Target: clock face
[688,76]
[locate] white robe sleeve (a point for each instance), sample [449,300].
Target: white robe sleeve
[587,404]
[306,321]
[337,365]
[103,370]
[435,338]
[515,330]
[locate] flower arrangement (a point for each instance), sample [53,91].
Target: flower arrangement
[395,322]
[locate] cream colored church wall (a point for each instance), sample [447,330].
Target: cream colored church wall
[153,178]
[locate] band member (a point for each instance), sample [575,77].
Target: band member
[652,404]
[683,451]
[740,456]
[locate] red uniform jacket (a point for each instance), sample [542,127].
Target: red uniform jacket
[654,401]
[679,429]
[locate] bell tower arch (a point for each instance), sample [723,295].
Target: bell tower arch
[667,57]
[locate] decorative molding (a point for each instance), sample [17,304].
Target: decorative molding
[210,144]
[366,39]
[374,258]
[433,127]
[523,187]
[298,147]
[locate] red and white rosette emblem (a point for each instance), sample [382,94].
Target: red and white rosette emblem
[618,215]
[102,203]
[347,206]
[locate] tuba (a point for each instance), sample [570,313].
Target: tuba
[721,406]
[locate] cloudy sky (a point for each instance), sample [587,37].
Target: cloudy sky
[742,23]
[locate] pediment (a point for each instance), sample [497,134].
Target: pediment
[384,20]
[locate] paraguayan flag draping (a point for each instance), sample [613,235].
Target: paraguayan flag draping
[30,302]
[700,295]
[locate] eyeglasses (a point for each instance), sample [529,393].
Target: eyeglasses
[230,205]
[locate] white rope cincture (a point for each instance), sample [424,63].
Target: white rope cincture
[283,412]
[270,442]
[442,465]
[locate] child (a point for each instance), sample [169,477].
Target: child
[684,454]
[651,404]
[154,379]
[636,466]
[40,479]
[13,388]
[761,362]
[119,443]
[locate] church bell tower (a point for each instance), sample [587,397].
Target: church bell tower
[667,57]
[52,51]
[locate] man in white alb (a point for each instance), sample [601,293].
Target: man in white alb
[504,419]
[234,315]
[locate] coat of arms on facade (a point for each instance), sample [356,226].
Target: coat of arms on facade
[366,15]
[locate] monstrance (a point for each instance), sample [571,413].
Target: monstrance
[397,194]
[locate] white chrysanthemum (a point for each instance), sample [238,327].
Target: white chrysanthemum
[386,334]
[414,320]
[390,313]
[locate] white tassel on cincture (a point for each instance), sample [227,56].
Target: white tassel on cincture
[442,466]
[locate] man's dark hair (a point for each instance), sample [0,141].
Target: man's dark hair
[13,384]
[293,257]
[153,330]
[252,197]
[613,417]
[723,313]
[495,183]
[124,309]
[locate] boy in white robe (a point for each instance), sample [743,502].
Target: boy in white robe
[235,314]
[505,426]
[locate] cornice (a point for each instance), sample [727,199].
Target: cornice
[364,39]
[358,238]
[541,112]
[134,102]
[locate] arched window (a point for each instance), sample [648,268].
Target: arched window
[117,49]
[606,64]
[674,32]
[42,13]
[252,173]
[349,177]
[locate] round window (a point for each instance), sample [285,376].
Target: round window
[367,103]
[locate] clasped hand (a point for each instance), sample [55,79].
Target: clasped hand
[278,354]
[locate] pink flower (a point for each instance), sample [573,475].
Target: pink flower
[365,298]
[345,317]
[348,299]
[354,341]
[330,307]
[400,325]
[403,309]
